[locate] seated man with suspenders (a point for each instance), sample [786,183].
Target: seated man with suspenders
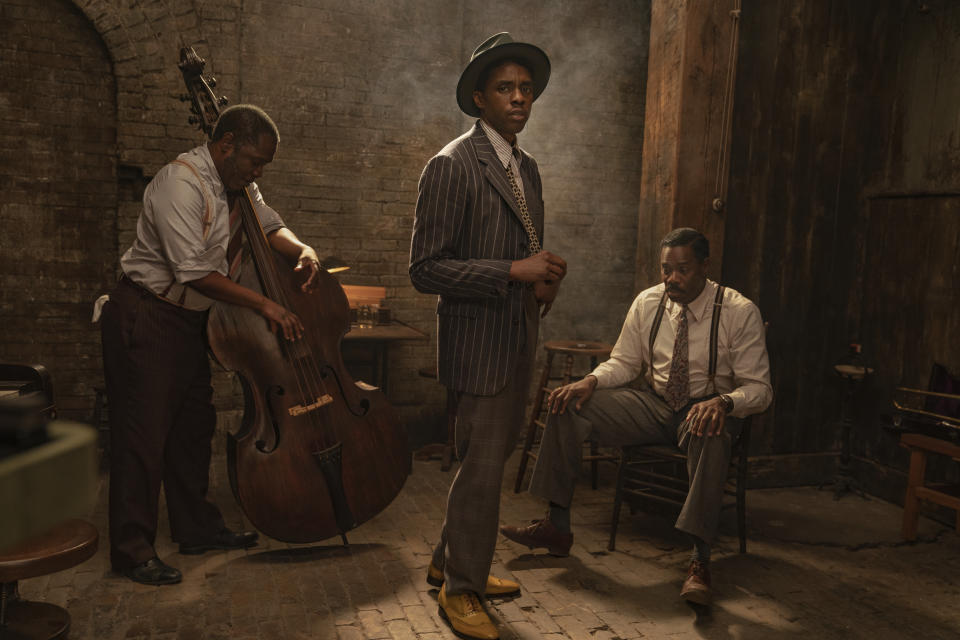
[705,371]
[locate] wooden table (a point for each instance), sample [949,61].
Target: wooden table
[365,350]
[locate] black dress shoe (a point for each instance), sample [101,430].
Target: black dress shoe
[154,571]
[225,539]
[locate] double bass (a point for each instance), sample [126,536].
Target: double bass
[317,453]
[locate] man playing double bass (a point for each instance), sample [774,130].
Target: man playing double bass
[186,255]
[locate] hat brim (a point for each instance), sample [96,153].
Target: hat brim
[533,56]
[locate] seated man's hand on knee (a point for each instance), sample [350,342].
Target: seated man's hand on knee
[707,417]
[581,389]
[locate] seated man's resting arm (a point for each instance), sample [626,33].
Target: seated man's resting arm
[751,366]
[627,358]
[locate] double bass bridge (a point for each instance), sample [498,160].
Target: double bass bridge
[300,409]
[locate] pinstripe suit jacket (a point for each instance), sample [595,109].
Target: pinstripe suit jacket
[466,232]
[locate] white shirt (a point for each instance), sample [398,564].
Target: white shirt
[743,368]
[184,228]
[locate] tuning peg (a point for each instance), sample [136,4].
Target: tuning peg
[212,82]
[222,101]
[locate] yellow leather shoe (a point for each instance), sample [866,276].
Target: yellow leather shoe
[496,587]
[465,615]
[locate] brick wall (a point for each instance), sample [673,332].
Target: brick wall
[57,175]
[363,94]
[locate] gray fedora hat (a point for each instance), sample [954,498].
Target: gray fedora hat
[495,48]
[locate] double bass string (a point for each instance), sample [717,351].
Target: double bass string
[307,371]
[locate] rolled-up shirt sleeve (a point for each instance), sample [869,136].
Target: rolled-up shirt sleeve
[628,356]
[751,365]
[270,220]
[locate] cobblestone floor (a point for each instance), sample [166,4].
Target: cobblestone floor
[816,568]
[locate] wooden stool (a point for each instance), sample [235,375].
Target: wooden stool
[65,546]
[444,450]
[570,349]
[942,494]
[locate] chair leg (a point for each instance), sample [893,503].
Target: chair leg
[532,424]
[617,502]
[8,593]
[742,501]
[594,465]
[911,508]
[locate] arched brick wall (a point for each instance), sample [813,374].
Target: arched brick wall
[363,95]
[58,213]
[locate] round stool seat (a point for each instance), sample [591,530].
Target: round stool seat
[579,347]
[65,546]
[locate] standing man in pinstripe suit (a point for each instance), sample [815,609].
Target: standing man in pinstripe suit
[477,244]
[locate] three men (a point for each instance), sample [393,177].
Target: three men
[155,357]
[477,244]
[692,398]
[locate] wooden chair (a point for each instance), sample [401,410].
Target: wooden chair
[65,546]
[919,445]
[658,473]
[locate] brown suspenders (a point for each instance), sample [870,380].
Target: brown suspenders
[207,221]
[714,332]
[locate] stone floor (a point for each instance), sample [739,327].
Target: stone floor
[816,568]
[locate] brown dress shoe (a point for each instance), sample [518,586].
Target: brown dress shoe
[696,588]
[541,533]
[496,587]
[466,616]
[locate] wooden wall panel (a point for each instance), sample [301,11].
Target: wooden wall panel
[797,176]
[843,221]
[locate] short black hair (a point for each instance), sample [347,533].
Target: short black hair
[247,123]
[496,64]
[688,237]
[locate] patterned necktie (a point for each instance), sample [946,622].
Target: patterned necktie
[533,242]
[235,246]
[678,384]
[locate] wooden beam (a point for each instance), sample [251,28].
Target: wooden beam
[686,83]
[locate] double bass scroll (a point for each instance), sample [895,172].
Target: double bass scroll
[316,454]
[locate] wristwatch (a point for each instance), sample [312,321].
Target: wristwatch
[727,402]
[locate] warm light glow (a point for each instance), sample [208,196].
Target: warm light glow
[333,264]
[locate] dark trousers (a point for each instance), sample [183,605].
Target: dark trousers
[161,422]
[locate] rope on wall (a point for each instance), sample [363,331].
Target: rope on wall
[726,118]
